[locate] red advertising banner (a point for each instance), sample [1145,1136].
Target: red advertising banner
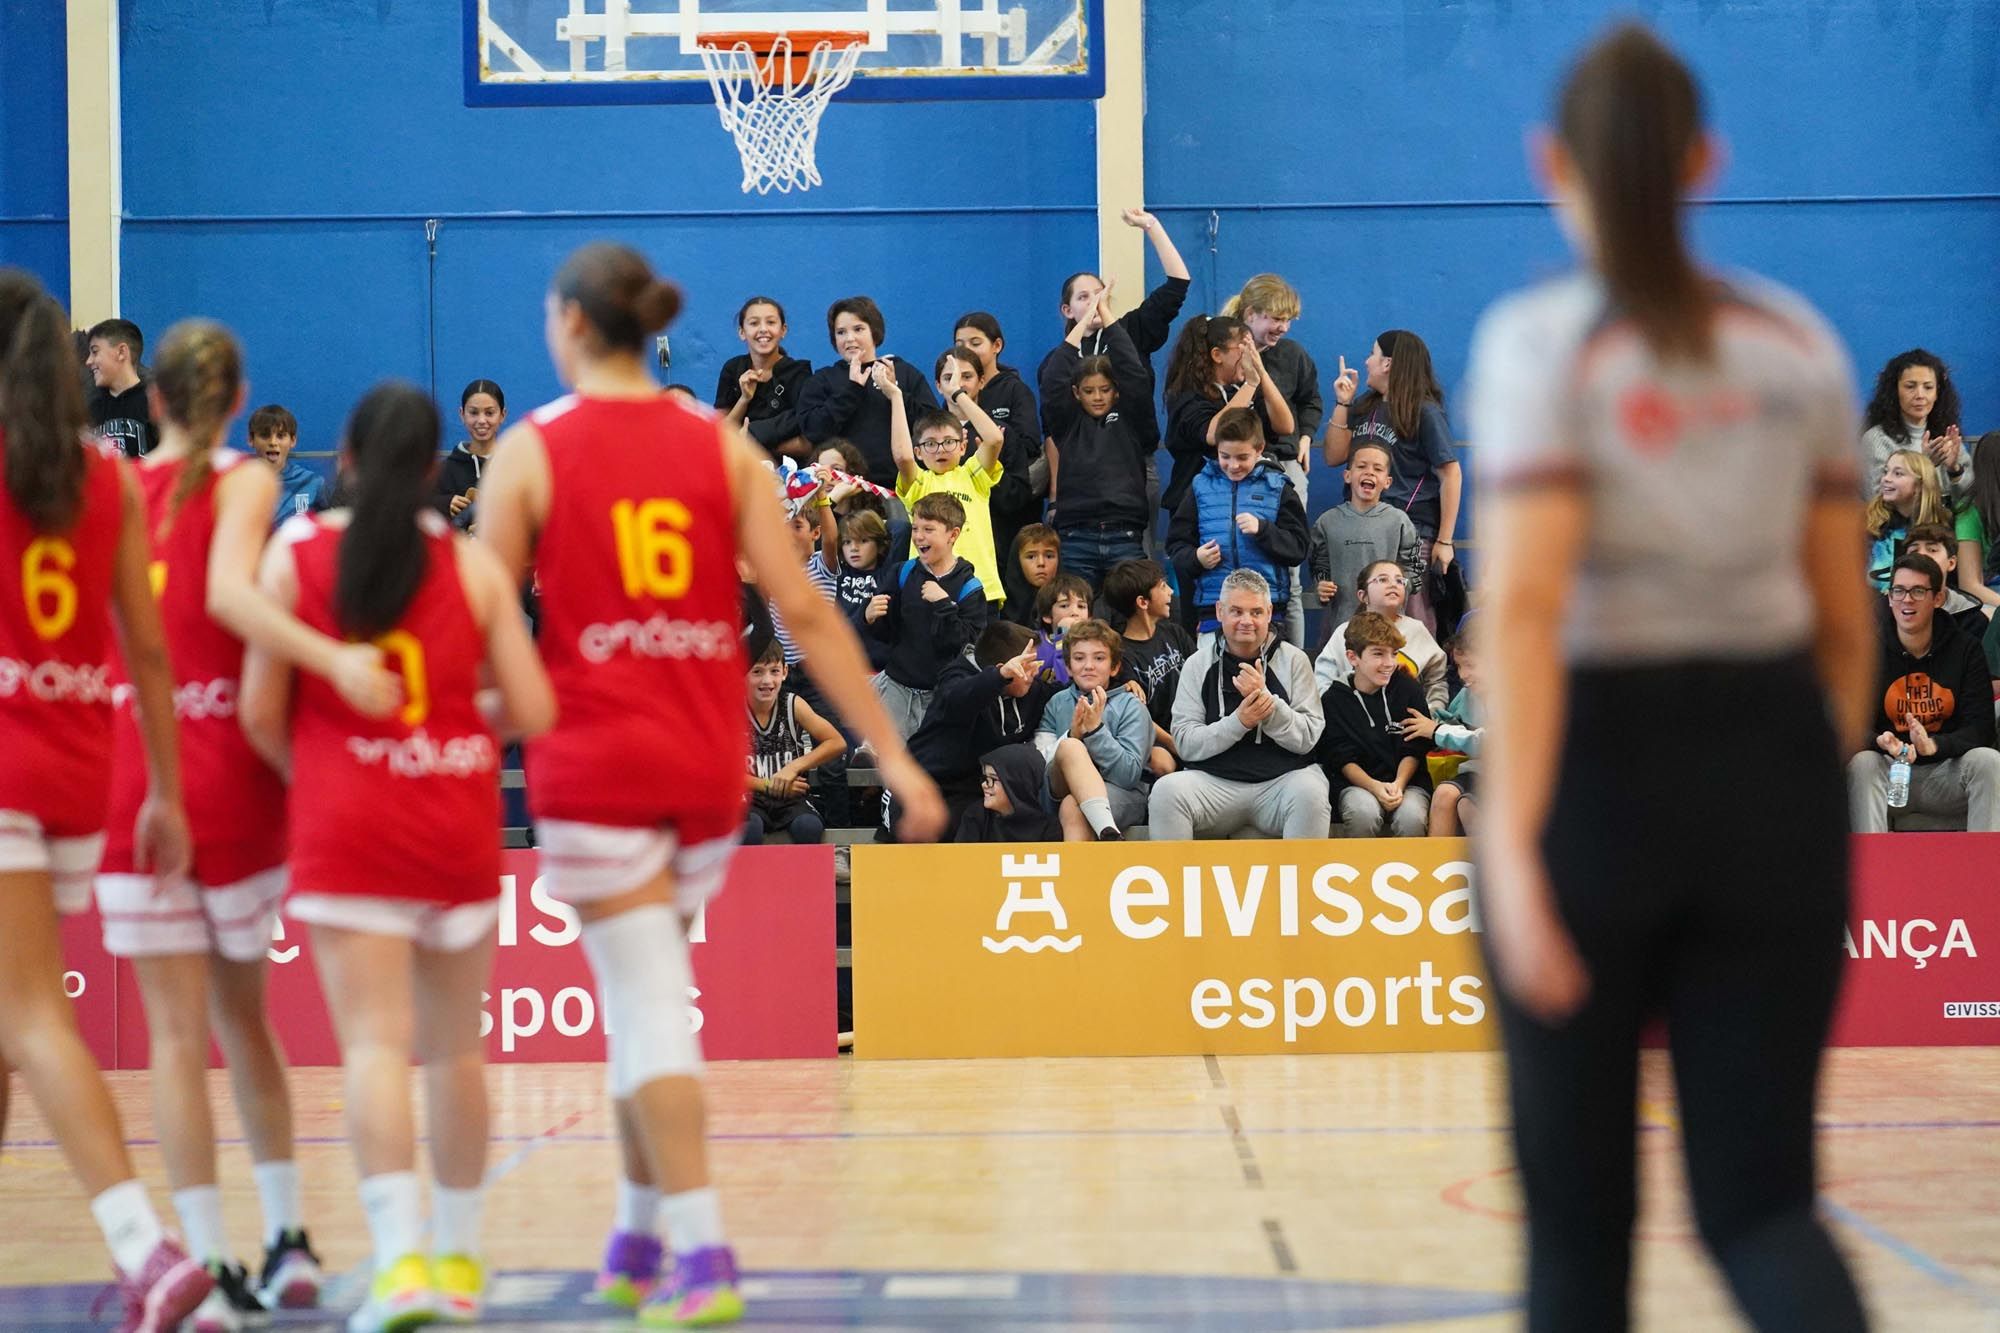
[1923,942]
[763,964]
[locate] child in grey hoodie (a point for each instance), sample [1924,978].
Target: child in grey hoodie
[1355,534]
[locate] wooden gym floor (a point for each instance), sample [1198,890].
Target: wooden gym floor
[1279,1193]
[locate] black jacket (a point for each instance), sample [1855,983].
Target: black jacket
[1949,689]
[1148,324]
[1013,503]
[458,472]
[970,714]
[833,407]
[773,417]
[1188,415]
[1101,468]
[124,419]
[1022,772]
[1367,730]
[1297,378]
[924,635]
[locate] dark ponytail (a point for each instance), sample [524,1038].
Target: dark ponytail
[1629,115]
[392,443]
[41,405]
[1189,369]
[621,298]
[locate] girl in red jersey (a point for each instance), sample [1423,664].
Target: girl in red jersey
[205,935]
[631,507]
[395,843]
[73,525]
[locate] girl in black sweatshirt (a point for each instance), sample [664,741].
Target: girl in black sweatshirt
[759,390]
[1102,432]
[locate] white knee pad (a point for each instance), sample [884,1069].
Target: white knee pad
[641,961]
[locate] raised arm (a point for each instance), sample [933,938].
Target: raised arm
[1171,262]
[901,447]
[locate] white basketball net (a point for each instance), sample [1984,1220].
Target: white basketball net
[774,118]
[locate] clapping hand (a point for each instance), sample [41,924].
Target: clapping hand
[1089,715]
[1921,738]
[883,377]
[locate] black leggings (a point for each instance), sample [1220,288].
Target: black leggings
[1706,882]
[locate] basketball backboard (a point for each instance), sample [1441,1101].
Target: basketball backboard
[593,52]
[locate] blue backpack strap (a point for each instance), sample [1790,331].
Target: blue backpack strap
[903,579]
[972,588]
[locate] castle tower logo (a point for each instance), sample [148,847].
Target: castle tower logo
[1019,872]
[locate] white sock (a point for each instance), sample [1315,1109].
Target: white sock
[455,1218]
[693,1219]
[638,1208]
[131,1228]
[1097,813]
[395,1216]
[278,1191]
[200,1209]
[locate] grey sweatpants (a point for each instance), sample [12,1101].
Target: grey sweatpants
[906,706]
[1968,786]
[1191,804]
[1362,816]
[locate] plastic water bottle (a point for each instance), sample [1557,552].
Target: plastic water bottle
[1899,784]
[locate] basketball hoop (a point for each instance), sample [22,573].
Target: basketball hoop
[771,89]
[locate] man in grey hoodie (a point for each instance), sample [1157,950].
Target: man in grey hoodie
[1246,720]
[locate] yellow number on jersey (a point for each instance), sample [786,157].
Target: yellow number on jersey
[157,571]
[403,654]
[654,555]
[47,587]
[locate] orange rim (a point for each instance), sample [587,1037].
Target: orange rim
[763,44]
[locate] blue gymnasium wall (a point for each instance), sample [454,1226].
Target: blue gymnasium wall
[282,154]
[34,142]
[1373,153]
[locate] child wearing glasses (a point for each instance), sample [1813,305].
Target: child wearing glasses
[936,463]
[1384,590]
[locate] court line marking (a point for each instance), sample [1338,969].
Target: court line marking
[949,1134]
[512,1161]
[1936,1269]
[1281,1249]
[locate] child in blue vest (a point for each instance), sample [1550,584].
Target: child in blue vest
[1238,513]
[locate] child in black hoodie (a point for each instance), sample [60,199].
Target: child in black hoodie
[994,697]
[1010,800]
[1366,745]
[931,609]
[1102,431]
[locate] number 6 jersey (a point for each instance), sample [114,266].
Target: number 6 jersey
[406,806]
[55,657]
[641,620]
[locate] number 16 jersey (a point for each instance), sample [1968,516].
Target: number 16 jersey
[641,621]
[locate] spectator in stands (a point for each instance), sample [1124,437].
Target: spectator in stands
[1915,406]
[1936,714]
[1247,722]
[860,541]
[1368,745]
[1110,725]
[1458,729]
[274,432]
[936,462]
[1936,541]
[1063,601]
[482,407]
[1978,530]
[1010,810]
[1906,496]
[803,523]
[931,608]
[1148,324]
[1239,512]
[119,411]
[1384,590]
[1403,406]
[1155,647]
[842,401]
[1102,434]
[759,389]
[1358,532]
[1034,560]
[992,698]
[1268,305]
[1004,396]
[840,456]
[1214,367]
[788,740]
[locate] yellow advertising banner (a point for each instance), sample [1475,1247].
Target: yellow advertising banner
[1167,948]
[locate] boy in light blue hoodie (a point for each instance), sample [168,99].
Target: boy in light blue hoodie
[274,432]
[1112,728]
[1459,728]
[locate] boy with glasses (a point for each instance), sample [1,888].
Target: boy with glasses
[936,463]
